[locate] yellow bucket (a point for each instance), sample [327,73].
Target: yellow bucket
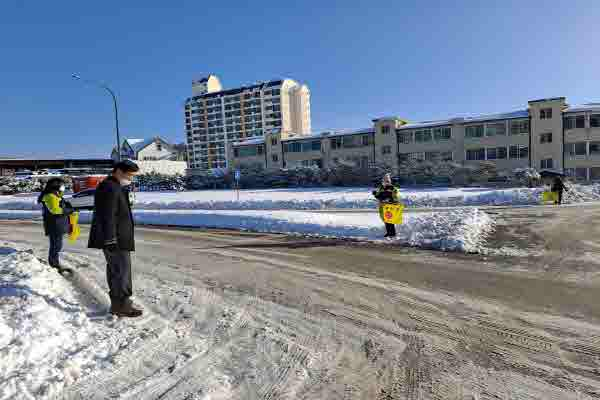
[392,213]
[74,230]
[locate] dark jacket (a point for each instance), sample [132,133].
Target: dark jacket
[112,221]
[387,194]
[55,212]
[558,185]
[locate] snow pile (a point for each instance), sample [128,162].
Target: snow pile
[329,198]
[164,167]
[46,340]
[463,229]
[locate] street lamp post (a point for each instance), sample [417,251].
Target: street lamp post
[114,97]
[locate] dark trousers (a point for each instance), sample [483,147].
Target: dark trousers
[560,193]
[56,245]
[390,229]
[118,275]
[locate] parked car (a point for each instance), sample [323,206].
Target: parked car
[84,200]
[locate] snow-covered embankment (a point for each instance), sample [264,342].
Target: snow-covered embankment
[462,229]
[47,341]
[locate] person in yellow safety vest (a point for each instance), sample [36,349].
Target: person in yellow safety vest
[55,211]
[387,193]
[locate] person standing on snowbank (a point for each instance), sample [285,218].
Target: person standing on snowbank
[112,232]
[387,193]
[55,212]
[559,187]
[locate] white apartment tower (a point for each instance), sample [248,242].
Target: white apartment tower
[215,117]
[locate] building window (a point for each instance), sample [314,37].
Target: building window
[594,148]
[405,137]
[546,137]
[293,147]
[336,143]
[546,113]
[578,173]
[385,130]
[569,123]
[447,156]
[432,156]
[495,129]
[474,131]
[518,152]
[546,163]
[594,173]
[418,156]
[580,121]
[273,141]
[313,145]
[595,120]
[305,163]
[275,158]
[423,136]
[364,162]
[349,142]
[476,154]
[386,149]
[576,149]
[442,133]
[367,140]
[317,162]
[491,153]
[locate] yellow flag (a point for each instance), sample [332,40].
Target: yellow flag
[392,213]
[549,197]
[74,230]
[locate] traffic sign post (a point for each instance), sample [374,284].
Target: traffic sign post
[237,175]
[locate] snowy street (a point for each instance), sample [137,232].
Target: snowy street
[263,316]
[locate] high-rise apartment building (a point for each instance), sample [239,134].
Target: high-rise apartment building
[214,117]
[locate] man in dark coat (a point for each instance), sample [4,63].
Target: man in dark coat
[112,231]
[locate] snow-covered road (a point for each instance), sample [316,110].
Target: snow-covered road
[257,316]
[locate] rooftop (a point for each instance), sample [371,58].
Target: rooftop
[582,108]
[467,120]
[230,92]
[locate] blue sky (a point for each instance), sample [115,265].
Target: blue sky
[361,59]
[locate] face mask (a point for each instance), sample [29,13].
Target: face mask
[125,182]
[61,188]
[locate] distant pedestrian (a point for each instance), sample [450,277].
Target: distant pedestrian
[558,186]
[55,212]
[387,193]
[113,232]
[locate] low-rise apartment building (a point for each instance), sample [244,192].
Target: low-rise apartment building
[549,134]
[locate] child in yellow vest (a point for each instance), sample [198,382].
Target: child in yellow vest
[55,211]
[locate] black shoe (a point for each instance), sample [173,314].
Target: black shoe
[125,309]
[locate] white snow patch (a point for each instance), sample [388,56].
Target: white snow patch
[464,229]
[47,341]
[329,198]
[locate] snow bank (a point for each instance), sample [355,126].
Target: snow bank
[328,198]
[46,340]
[462,230]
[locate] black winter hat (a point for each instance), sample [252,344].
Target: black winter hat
[126,166]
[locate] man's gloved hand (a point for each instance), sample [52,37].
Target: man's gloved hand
[111,247]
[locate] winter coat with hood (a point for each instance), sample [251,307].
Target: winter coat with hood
[55,210]
[112,222]
[386,193]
